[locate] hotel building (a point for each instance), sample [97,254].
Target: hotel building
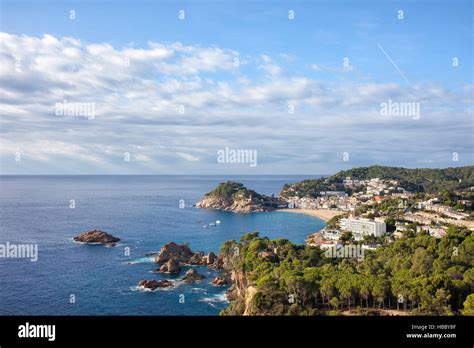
[363,227]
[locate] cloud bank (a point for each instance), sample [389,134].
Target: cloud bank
[169,108]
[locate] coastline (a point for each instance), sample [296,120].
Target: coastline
[323,214]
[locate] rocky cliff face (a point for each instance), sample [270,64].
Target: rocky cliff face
[241,291]
[241,294]
[239,205]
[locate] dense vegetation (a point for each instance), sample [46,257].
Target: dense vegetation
[232,189]
[415,180]
[461,201]
[418,274]
[312,187]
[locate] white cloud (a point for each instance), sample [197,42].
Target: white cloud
[187,156]
[139,93]
[334,70]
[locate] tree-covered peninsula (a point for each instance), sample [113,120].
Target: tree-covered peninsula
[234,196]
[414,275]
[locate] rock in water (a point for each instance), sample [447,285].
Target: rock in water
[175,252]
[197,259]
[97,236]
[154,284]
[170,266]
[218,281]
[192,276]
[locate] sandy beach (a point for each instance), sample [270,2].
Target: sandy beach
[324,214]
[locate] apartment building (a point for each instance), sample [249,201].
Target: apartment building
[363,227]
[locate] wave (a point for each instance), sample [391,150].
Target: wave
[137,288]
[107,245]
[215,299]
[198,289]
[148,259]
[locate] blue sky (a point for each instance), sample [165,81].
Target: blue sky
[189,62]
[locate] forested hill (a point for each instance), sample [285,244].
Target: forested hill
[415,180]
[420,275]
[420,179]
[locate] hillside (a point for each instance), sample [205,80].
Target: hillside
[415,180]
[417,275]
[418,180]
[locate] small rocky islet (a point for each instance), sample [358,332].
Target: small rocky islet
[96,236]
[154,284]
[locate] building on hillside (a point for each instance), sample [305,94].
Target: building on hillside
[437,232]
[363,227]
[333,193]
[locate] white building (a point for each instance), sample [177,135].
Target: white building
[364,227]
[333,193]
[331,233]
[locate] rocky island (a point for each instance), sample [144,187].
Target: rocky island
[154,284]
[97,237]
[192,276]
[172,257]
[233,196]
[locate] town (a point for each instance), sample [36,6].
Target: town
[375,210]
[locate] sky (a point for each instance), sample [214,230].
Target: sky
[162,87]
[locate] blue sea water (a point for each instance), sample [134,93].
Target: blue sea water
[145,212]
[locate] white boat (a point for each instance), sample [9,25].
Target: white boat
[212,224]
[218,222]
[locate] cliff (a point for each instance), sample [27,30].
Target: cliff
[245,294]
[240,293]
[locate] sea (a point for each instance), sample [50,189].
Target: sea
[70,278]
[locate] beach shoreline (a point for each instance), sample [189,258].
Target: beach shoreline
[323,214]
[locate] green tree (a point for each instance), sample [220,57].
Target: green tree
[468,308]
[347,237]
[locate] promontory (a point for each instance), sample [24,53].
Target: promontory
[234,196]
